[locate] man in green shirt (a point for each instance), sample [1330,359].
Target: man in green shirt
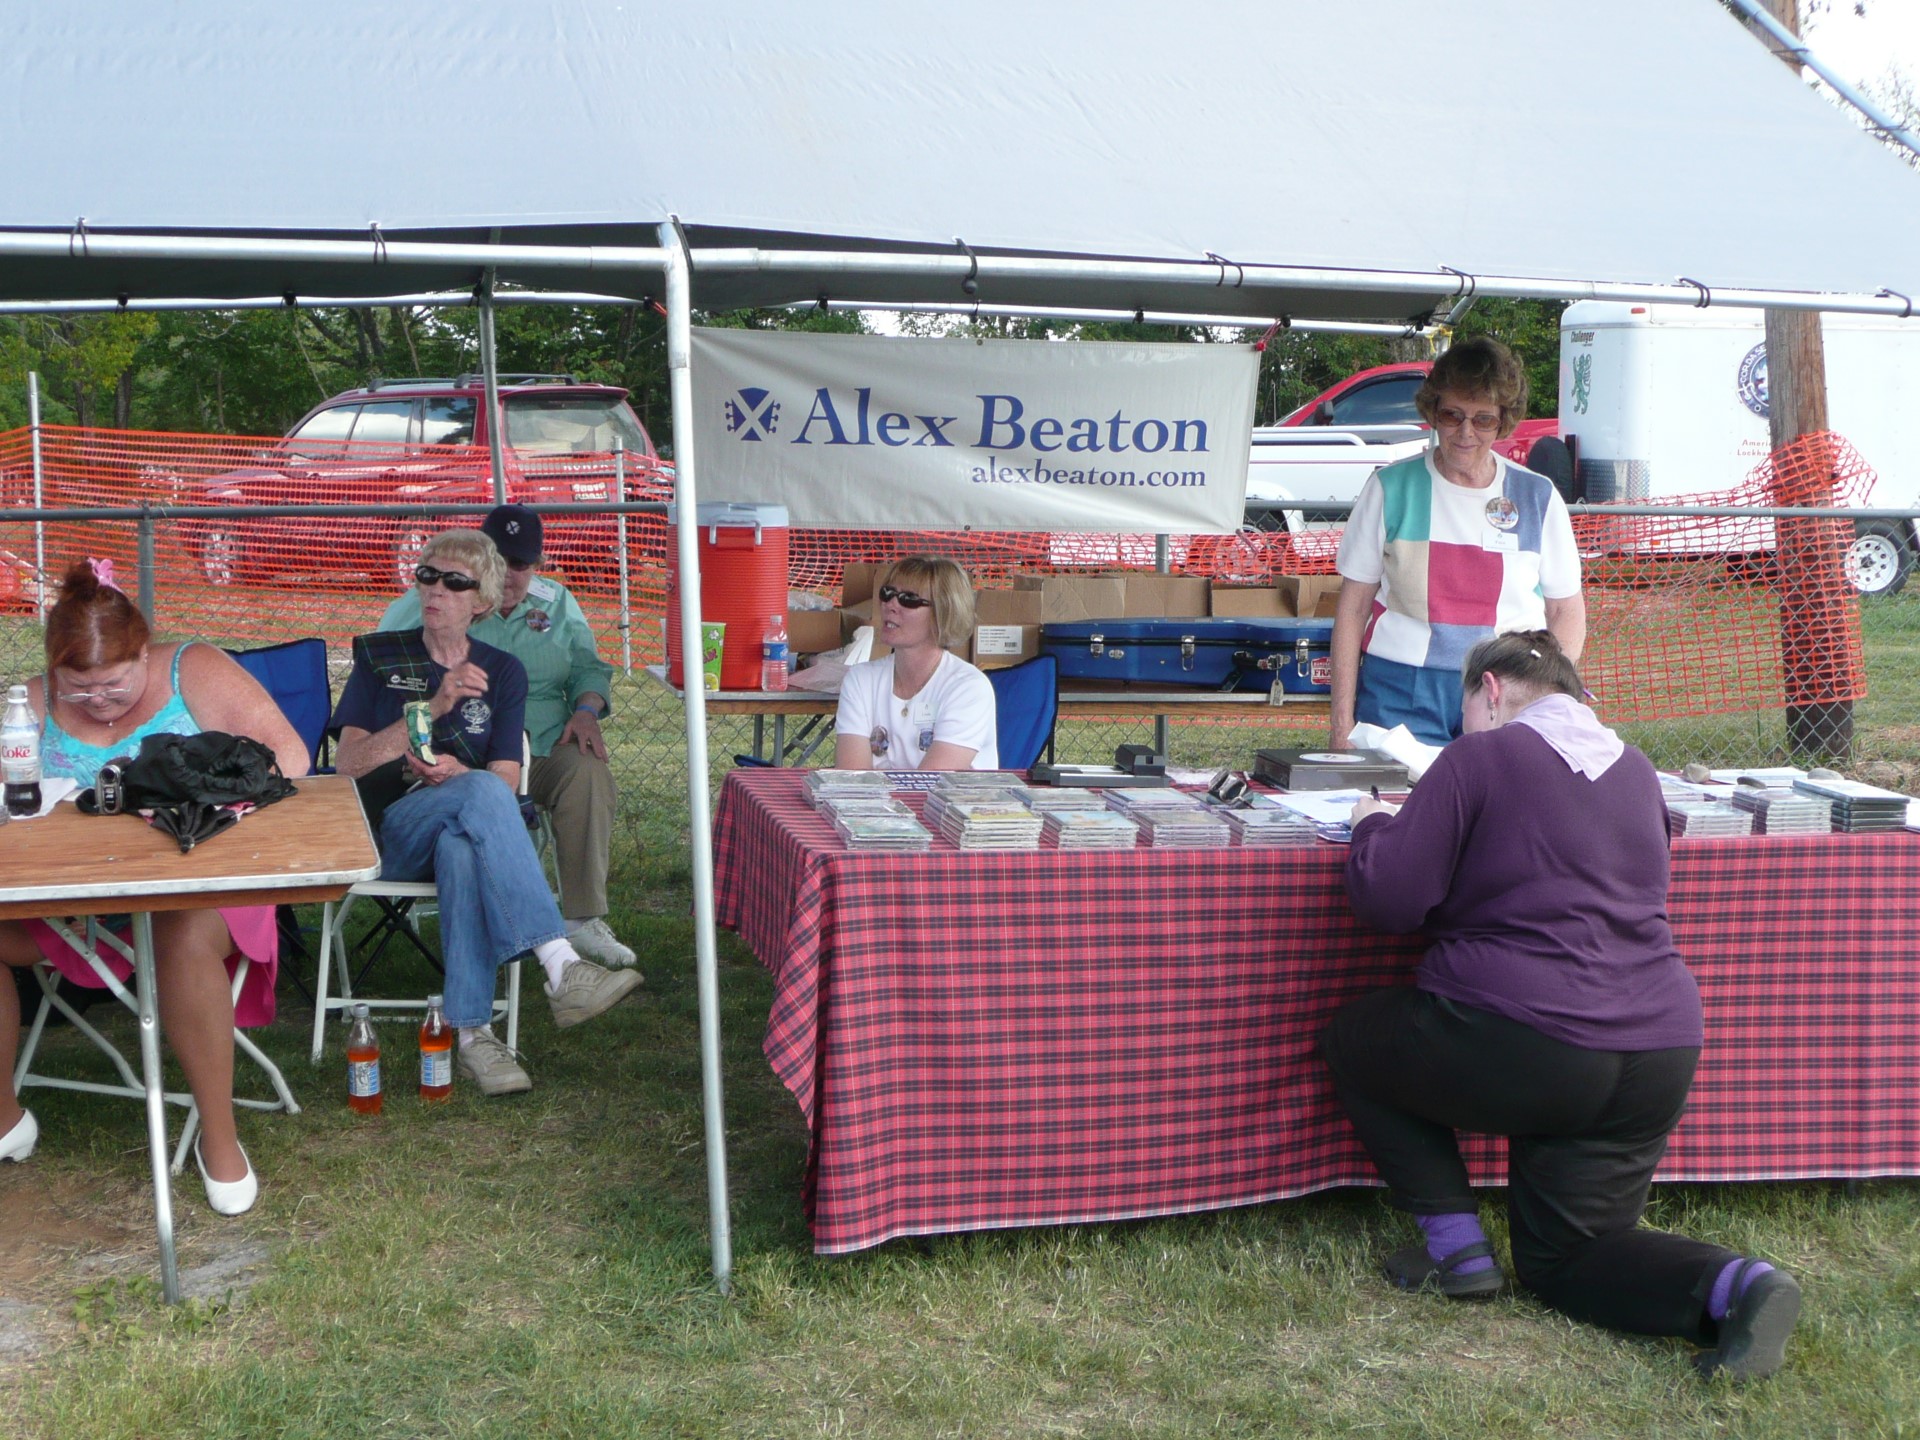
[567,688]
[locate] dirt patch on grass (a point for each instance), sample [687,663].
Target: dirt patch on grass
[46,1220]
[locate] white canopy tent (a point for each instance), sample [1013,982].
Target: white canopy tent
[1376,161]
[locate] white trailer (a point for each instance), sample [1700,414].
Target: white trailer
[1662,400]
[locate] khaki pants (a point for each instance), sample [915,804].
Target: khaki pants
[577,788]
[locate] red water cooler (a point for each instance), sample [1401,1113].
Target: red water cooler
[743,582]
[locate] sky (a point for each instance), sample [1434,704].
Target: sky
[1861,48]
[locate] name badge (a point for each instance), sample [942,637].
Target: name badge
[1505,542]
[415,683]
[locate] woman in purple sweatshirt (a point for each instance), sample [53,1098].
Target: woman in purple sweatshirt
[1551,1008]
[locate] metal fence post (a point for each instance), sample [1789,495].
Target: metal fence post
[626,595]
[145,531]
[39,491]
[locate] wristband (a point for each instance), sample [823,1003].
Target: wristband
[587,709]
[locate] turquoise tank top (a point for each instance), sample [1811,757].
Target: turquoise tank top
[61,754]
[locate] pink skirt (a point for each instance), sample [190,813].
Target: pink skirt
[256,936]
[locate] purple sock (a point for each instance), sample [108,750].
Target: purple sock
[1449,1233]
[1723,1296]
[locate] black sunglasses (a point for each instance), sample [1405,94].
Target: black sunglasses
[906,597]
[459,584]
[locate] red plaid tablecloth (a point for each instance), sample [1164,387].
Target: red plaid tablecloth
[985,1040]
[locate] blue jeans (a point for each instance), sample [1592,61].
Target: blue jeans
[467,836]
[1424,699]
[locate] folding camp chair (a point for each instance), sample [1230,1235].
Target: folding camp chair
[294,673]
[88,940]
[397,902]
[1026,702]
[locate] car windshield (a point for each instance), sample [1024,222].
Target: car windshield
[572,425]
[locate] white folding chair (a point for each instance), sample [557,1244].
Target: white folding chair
[87,944]
[401,901]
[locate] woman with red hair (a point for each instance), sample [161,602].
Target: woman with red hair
[109,685]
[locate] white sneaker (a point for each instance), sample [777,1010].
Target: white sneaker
[594,941]
[18,1143]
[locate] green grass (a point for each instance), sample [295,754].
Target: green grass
[538,1266]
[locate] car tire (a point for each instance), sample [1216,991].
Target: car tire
[407,547]
[1880,558]
[223,556]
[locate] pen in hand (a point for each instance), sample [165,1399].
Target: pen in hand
[1376,791]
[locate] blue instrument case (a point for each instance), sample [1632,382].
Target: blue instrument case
[1223,653]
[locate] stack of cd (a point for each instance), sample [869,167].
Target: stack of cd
[882,832]
[990,825]
[1784,812]
[1270,827]
[824,783]
[1175,827]
[1080,829]
[1137,804]
[1673,788]
[1697,818]
[1050,799]
[876,804]
[941,798]
[1858,809]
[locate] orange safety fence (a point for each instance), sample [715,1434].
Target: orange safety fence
[1686,616]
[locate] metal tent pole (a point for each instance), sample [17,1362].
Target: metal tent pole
[679,296]
[490,381]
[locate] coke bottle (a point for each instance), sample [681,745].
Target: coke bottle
[436,1054]
[773,654]
[363,1065]
[20,754]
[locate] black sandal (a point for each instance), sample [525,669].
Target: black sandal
[1412,1268]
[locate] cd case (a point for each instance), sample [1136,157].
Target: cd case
[1331,769]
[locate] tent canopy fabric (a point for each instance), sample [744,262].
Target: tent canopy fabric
[1635,143]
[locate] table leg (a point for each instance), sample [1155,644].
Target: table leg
[156,1102]
[779,739]
[760,739]
[1160,735]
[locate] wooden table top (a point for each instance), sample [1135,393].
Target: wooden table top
[309,847]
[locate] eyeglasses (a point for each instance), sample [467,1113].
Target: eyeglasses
[520,567]
[907,598]
[452,579]
[1485,423]
[1232,789]
[107,695]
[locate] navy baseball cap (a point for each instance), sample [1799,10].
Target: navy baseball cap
[515,532]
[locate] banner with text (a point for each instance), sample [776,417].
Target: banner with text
[874,433]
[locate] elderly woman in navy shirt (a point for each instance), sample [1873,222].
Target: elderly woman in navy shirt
[1551,1008]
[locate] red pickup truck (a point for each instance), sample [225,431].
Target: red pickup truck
[1384,396]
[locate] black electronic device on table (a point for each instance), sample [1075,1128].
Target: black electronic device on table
[1104,776]
[1331,769]
[1140,760]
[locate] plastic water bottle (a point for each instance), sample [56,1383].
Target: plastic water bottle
[20,751]
[773,654]
[436,1054]
[363,1065]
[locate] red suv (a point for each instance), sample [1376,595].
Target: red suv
[1384,396]
[425,441]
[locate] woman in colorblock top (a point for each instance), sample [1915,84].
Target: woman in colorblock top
[1446,549]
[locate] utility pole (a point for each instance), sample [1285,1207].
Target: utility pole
[1812,603]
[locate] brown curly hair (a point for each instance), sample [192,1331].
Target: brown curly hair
[1484,369]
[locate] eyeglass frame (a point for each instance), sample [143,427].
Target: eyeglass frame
[906,599]
[520,567]
[111,695]
[424,574]
[1482,422]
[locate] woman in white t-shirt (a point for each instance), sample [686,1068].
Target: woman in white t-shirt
[920,707]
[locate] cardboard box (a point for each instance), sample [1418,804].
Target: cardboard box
[811,631]
[858,579]
[1156,597]
[1065,599]
[1252,602]
[1312,596]
[1006,627]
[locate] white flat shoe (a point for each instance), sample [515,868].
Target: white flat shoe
[18,1143]
[229,1197]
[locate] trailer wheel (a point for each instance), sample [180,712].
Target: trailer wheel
[1880,558]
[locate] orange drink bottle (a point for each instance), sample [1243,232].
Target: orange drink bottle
[363,1065]
[436,1054]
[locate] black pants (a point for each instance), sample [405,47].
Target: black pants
[1586,1129]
